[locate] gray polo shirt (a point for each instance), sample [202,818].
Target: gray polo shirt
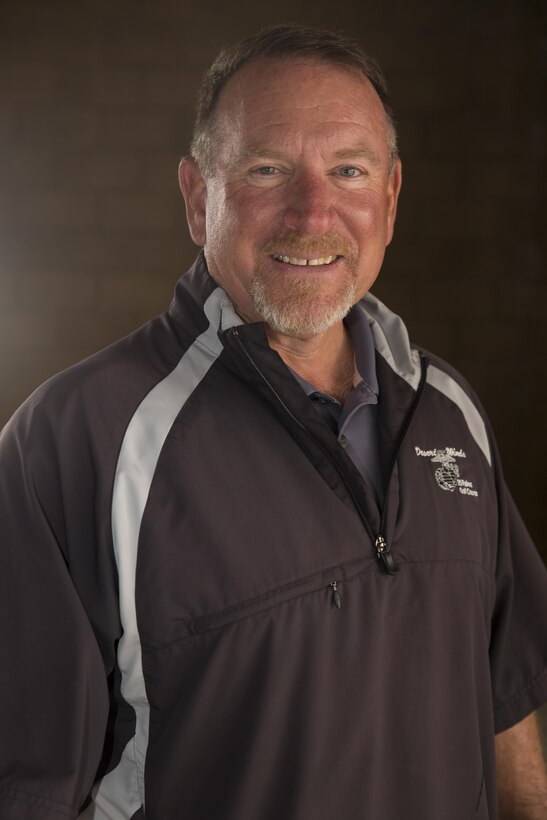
[354,422]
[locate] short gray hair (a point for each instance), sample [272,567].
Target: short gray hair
[283,41]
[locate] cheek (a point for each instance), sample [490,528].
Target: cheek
[225,213]
[254,206]
[368,217]
[221,222]
[249,221]
[236,229]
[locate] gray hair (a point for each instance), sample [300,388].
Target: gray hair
[283,41]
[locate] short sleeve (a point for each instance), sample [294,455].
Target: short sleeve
[518,648]
[53,689]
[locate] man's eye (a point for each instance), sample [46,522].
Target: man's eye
[265,171]
[349,171]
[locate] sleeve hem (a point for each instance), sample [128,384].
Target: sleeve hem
[36,801]
[522,703]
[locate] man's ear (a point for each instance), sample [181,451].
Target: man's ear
[393,189]
[194,191]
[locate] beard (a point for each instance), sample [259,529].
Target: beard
[304,302]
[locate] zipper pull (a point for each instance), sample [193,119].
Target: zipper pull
[385,555]
[336,596]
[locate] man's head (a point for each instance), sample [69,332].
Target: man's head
[293,184]
[281,42]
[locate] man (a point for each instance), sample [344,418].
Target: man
[276,529]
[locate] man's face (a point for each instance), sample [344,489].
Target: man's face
[300,205]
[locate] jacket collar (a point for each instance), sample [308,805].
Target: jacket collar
[388,330]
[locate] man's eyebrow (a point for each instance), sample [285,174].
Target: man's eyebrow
[259,151]
[359,152]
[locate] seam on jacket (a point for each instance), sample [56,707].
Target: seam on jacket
[530,683]
[481,790]
[140,784]
[344,577]
[29,798]
[199,343]
[484,567]
[244,616]
[450,388]
[263,596]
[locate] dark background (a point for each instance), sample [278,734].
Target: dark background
[96,109]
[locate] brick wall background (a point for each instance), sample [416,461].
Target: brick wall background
[96,109]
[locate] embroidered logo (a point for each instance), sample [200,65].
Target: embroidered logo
[447,474]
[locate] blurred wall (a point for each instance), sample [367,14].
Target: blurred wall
[96,109]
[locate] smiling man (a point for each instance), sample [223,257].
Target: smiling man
[259,560]
[297,204]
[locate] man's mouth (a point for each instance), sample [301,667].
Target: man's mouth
[303,261]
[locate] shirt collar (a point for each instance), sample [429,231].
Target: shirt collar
[365,380]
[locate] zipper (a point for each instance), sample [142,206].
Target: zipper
[336,595]
[318,581]
[383,551]
[402,434]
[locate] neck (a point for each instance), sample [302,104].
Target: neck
[326,360]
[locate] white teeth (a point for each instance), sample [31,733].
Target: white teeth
[326,260]
[293,260]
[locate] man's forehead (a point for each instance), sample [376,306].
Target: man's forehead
[278,77]
[274,96]
[274,120]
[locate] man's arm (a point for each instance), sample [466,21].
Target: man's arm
[521,771]
[53,687]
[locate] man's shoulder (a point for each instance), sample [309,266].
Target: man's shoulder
[107,384]
[394,343]
[411,361]
[443,375]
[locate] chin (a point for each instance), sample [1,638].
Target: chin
[301,310]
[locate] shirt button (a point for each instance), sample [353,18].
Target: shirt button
[343,441]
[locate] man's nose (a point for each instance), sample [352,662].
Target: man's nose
[310,205]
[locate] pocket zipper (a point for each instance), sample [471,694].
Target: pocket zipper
[336,595]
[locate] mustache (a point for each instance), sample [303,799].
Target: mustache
[294,243]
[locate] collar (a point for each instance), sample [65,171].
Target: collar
[389,333]
[365,381]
